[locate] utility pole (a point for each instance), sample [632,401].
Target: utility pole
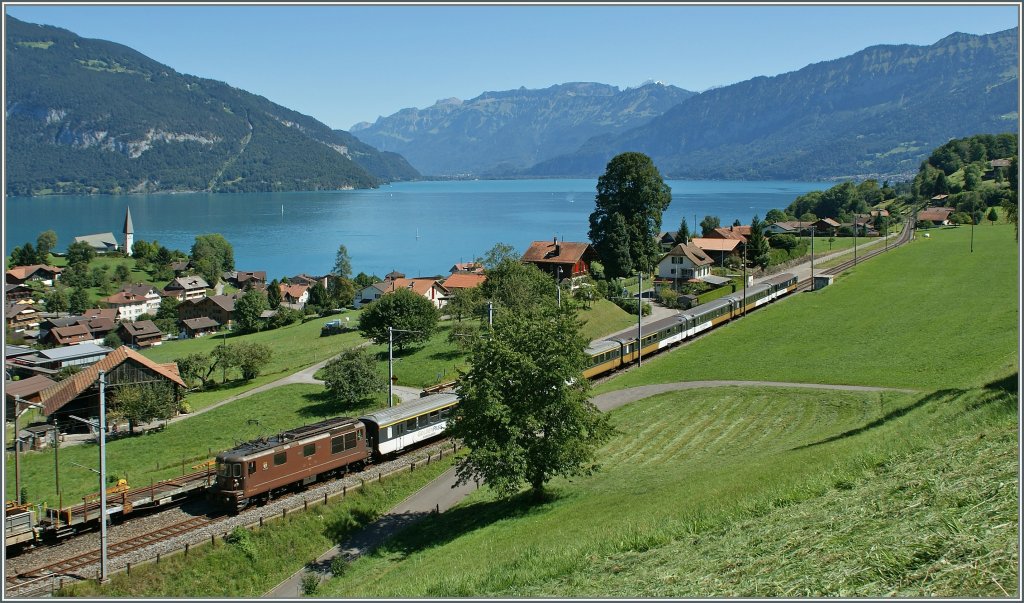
[972,233]
[854,239]
[639,316]
[812,258]
[490,314]
[391,372]
[101,428]
[56,463]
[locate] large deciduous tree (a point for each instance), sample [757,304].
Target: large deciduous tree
[248,309]
[515,287]
[352,376]
[632,188]
[709,224]
[45,243]
[212,256]
[524,412]
[141,403]
[414,315]
[80,252]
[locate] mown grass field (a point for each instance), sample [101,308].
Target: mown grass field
[253,566]
[928,315]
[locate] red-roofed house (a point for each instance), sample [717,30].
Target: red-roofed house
[938,216]
[473,267]
[717,249]
[36,272]
[129,306]
[463,280]
[140,334]
[429,288]
[294,296]
[563,259]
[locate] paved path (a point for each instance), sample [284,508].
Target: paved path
[442,494]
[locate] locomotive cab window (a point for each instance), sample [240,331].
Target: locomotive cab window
[281,458]
[236,469]
[309,450]
[252,467]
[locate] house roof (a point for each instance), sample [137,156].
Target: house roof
[110,313]
[694,253]
[556,252]
[81,350]
[203,322]
[26,388]
[226,302]
[999,163]
[707,244]
[187,283]
[293,291]
[19,308]
[467,267]
[23,272]
[56,396]
[100,323]
[828,222]
[140,289]
[103,239]
[463,280]
[421,286]
[141,328]
[124,298]
[64,334]
[935,214]
[789,225]
[879,212]
[939,197]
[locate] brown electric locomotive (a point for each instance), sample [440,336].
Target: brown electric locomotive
[261,469]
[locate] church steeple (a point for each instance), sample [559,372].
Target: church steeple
[129,232]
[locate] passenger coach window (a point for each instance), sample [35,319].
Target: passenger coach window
[410,425]
[280,458]
[309,450]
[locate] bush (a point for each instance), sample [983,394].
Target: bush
[629,305]
[243,539]
[310,582]
[339,565]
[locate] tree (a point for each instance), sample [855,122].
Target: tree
[787,242]
[466,303]
[496,255]
[775,215]
[341,292]
[196,369]
[632,188]
[274,294]
[523,411]
[342,263]
[403,309]
[141,403]
[45,243]
[78,301]
[24,256]
[212,256]
[122,273]
[683,235]
[616,258]
[992,216]
[168,308]
[250,358]
[248,309]
[363,280]
[112,340]
[57,300]
[757,245]
[353,376]
[318,297]
[80,252]
[709,224]
[516,287]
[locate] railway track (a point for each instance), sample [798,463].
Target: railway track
[70,566]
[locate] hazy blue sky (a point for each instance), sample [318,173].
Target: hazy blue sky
[343,64]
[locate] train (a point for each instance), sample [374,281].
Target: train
[258,470]
[612,353]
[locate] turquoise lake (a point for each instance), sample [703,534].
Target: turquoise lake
[418,228]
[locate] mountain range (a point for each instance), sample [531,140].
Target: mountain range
[499,133]
[88,116]
[91,116]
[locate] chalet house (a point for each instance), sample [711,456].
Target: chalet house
[938,199]
[685,262]
[305,279]
[19,316]
[107,313]
[198,327]
[149,292]
[69,335]
[667,240]
[825,225]
[101,243]
[139,334]
[27,389]
[879,212]
[13,293]
[20,275]
[788,227]
[294,296]
[739,233]
[429,288]
[79,394]
[471,267]
[69,330]
[999,163]
[179,267]
[937,216]
[128,305]
[561,259]
[186,288]
[220,308]
[463,280]
[717,249]
[246,279]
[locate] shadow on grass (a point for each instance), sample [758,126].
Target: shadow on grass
[457,522]
[321,404]
[890,416]
[1008,383]
[447,356]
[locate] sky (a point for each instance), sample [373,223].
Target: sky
[347,63]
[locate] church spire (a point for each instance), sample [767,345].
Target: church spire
[129,232]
